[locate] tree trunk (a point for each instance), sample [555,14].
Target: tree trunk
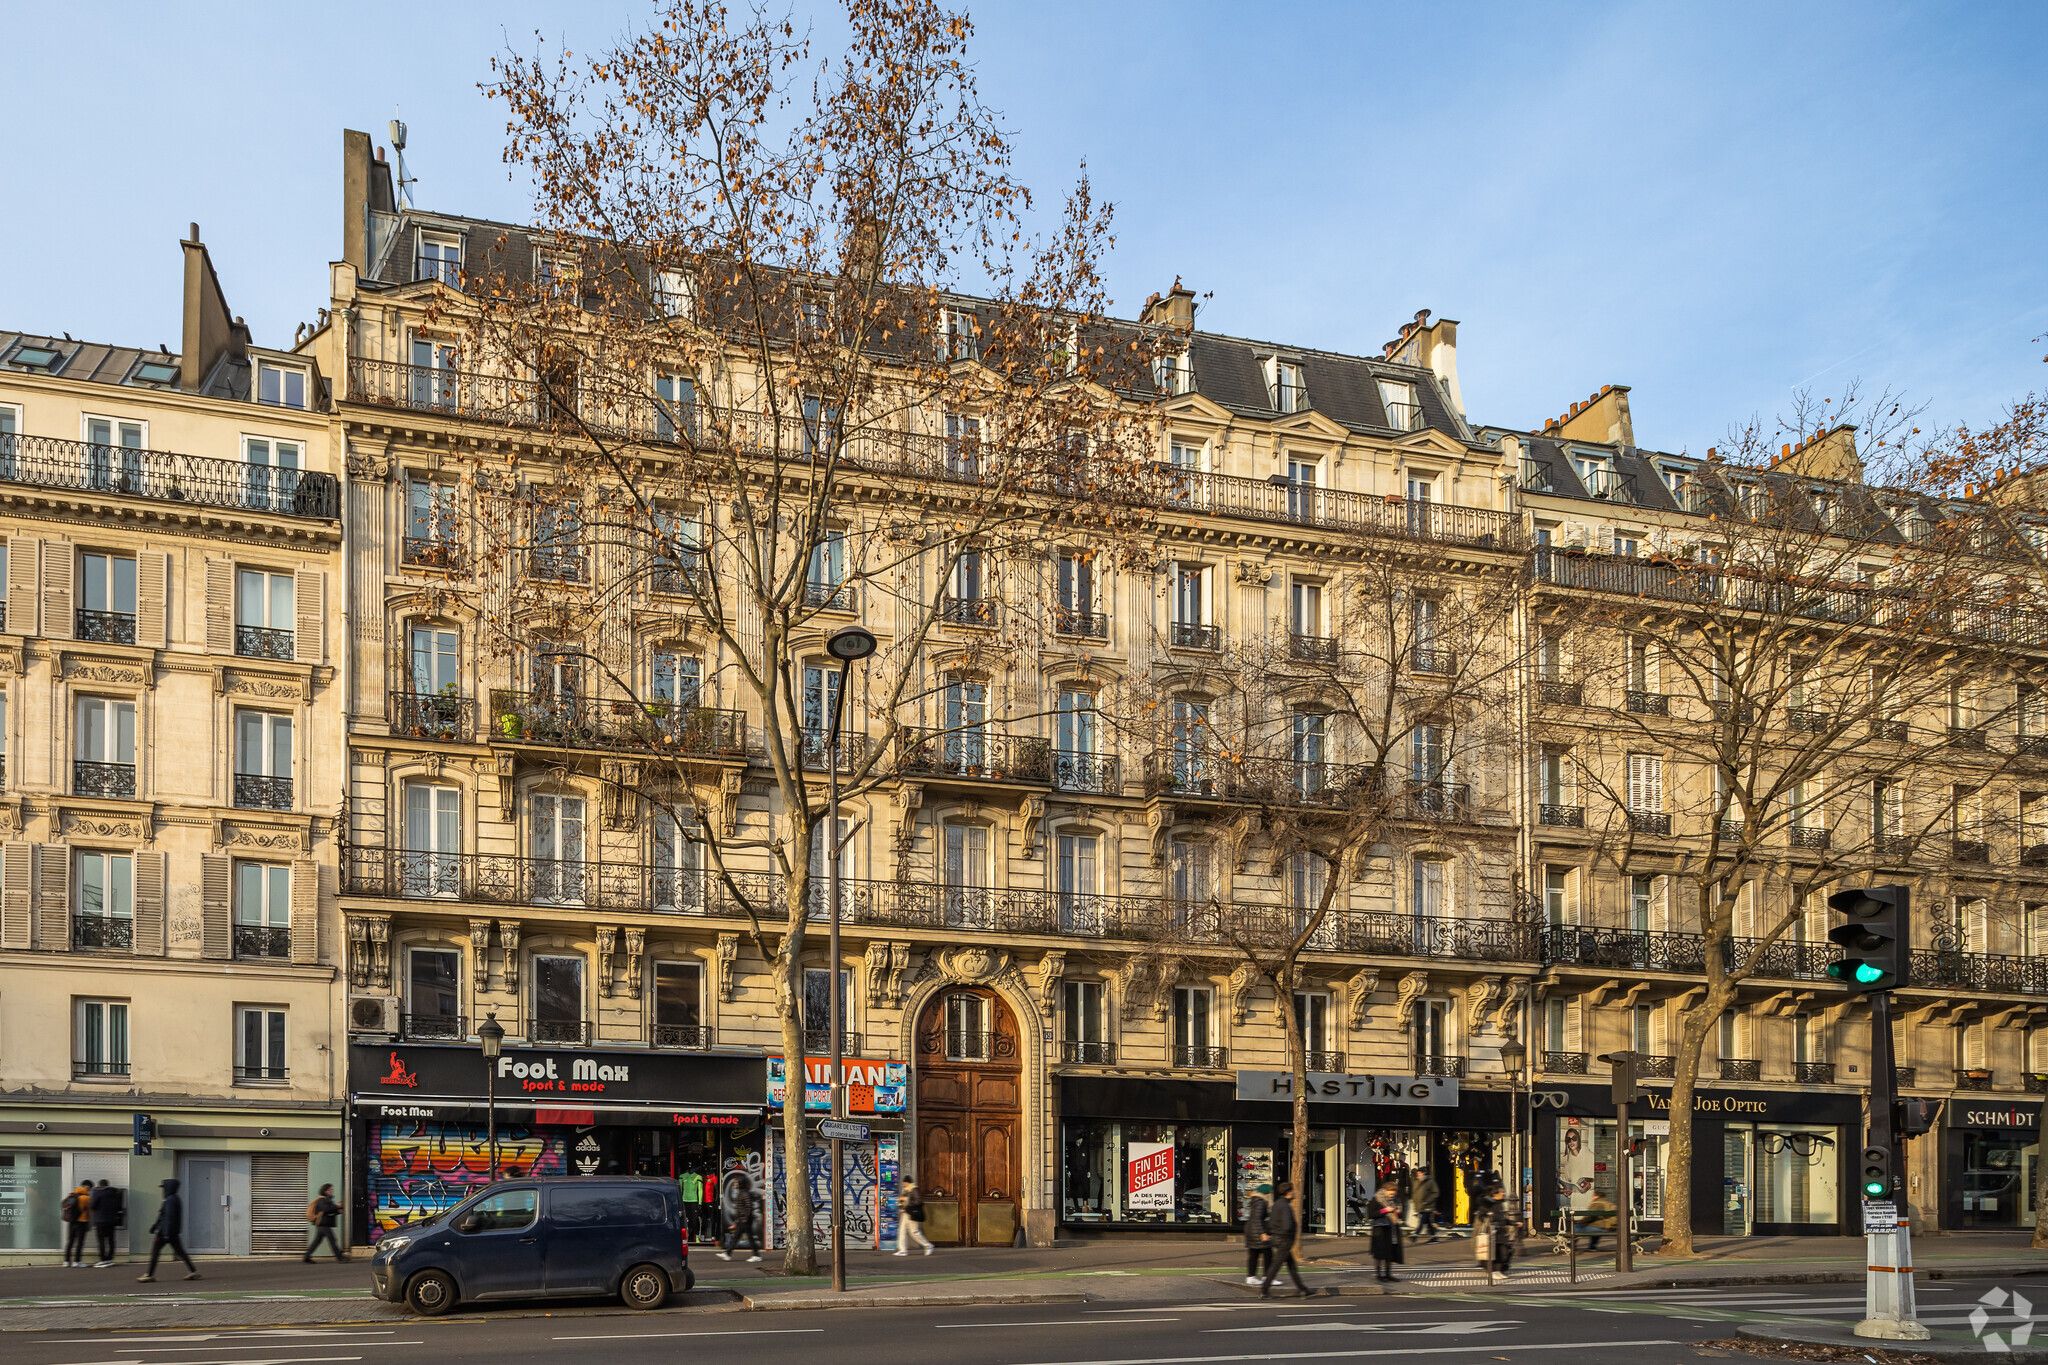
[1678,1164]
[800,1256]
[1297,1061]
[2040,1241]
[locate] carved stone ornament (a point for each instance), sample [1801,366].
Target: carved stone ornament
[1409,991]
[1510,1015]
[607,947]
[899,963]
[508,939]
[370,758]
[972,964]
[358,951]
[728,956]
[1051,968]
[1358,996]
[1253,573]
[1240,990]
[275,840]
[480,947]
[367,464]
[1149,982]
[1158,823]
[615,800]
[379,927]
[1479,998]
[909,796]
[1031,815]
[240,685]
[98,827]
[877,963]
[1239,838]
[729,785]
[636,949]
[508,787]
[75,667]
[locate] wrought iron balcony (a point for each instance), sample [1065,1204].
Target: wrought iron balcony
[1094,774]
[254,791]
[1449,1068]
[1323,1059]
[2032,854]
[1647,703]
[1563,1063]
[98,1068]
[1969,851]
[557,564]
[1199,1058]
[1808,836]
[2034,1082]
[1968,737]
[102,933]
[1088,1054]
[684,578]
[1312,649]
[1191,635]
[1974,1078]
[1905,1077]
[1891,848]
[1439,801]
[1656,1067]
[1890,731]
[104,627]
[968,611]
[1650,822]
[261,642]
[1809,720]
[1257,780]
[1568,817]
[1743,713]
[981,753]
[90,778]
[451,1028]
[1557,692]
[1088,625]
[1741,1069]
[853,751]
[969,1045]
[1439,662]
[163,477]
[1813,1073]
[820,596]
[573,1031]
[443,553]
[432,715]
[2030,746]
[2008,973]
[261,1075]
[818,1043]
[263,940]
[696,1036]
[563,720]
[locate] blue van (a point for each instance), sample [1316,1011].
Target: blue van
[549,1238]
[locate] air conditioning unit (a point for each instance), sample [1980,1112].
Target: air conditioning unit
[372,1014]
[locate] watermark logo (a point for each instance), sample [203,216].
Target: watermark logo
[1994,1300]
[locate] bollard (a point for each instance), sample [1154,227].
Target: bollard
[1572,1255]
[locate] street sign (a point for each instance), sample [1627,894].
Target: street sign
[842,1131]
[1880,1215]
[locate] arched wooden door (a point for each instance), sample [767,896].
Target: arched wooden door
[969,1099]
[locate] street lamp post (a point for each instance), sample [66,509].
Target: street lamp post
[848,646]
[490,1035]
[1513,1056]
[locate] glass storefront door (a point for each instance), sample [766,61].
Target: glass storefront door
[1735,1181]
[1997,1178]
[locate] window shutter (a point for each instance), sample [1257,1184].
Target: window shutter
[305,911]
[53,913]
[309,597]
[152,597]
[1572,1034]
[220,606]
[57,617]
[23,555]
[16,886]
[216,934]
[149,904]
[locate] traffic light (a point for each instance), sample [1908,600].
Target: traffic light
[1915,1118]
[1876,937]
[145,1133]
[1877,1173]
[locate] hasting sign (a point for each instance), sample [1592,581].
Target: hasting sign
[1338,1087]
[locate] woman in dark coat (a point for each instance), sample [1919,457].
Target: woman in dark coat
[1258,1249]
[1386,1232]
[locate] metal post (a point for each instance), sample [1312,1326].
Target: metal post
[491,1111]
[838,1088]
[1625,1195]
[1889,1308]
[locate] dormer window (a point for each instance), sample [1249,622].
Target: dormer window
[959,336]
[674,296]
[1171,374]
[440,259]
[31,357]
[155,373]
[1404,413]
[1597,473]
[1287,385]
[280,386]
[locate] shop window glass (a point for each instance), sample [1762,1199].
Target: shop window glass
[1113,1171]
[1996,1180]
[31,1201]
[1586,1163]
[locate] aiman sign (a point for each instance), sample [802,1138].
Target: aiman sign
[872,1086]
[1346,1088]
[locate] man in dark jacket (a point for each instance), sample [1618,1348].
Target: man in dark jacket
[325,1214]
[740,1206]
[1258,1251]
[1281,1230]
[106,1216]
[169,1231]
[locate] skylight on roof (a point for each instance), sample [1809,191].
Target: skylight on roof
[156,372]
[35,357]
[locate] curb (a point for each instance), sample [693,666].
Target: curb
[767,1303]
[1941,1348]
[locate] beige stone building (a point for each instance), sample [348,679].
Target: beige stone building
[171,724]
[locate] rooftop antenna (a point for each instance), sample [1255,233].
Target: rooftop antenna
[405,182]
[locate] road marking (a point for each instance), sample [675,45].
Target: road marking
[252,1346]
[1056,1322]
[644,1336]
[1489,1347]
[324,1333]
[280,1360]
[1435,1327]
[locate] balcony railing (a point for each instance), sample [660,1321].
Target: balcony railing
[576,722]
[1891,848]
[1905,1076]
[1567,817]
[1890,731]
[684,578]
[2030,746]
[1088,625]
[261,642]
[1968,737]
[1741,1069]
[1557,692]
[1323,1059]
[981,753]
[98,1067]
[968,611]
[1650,822]
[557,564]
[696,1036]
[161,476]
[1974,1078]
[815,750]
[254,791]
[575,1031]
[104,627]
[818,1043]
[1088,1054]
[1661,950]
[1294,782]
[1808,836]
[432,715]
[1313,649]
[2033,852]
[821,596]
[432,552]
[2034,1082]
[1439,801]
[1969,851]
[263,940]
[1656,1067]
[1813,1073]
[1438,662]
[1563,1063]
[109,933]
[447,1028]
[89,778]
[1385,515]
[1199,1058]
[1191,635]
[1449,1068]
[258,1075]
[1647,703]
[1809,720]
[1094,774]
[438,268]
[969,1045]
[1980,971]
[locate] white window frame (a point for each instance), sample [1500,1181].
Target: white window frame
[113,1052]
[105,583]
[278,599]
[272,883]
[271,727]
[115,711]
[116,878]
[273,1025]
[1084,1013]
[969,1027]
[285,375]
[1400,393]
[1194,1011]
[431,871]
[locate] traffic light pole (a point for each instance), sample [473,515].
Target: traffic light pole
[1624,1184]
[1889,1310]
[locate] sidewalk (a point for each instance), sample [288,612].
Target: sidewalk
[285,1291]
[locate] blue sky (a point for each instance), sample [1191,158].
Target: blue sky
[1710,203]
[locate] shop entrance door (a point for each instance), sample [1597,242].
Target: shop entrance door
[205,1190]
[1737,1180]
[969,1094]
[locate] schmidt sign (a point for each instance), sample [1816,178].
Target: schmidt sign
[1339,1088]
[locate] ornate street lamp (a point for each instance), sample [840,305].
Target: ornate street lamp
[490,1034]
[849,646]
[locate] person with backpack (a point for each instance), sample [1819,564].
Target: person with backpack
[323,1213]
[739,1209]
[1258,1248]
[1282,1228]
[168,1231]
[911,1224]
[77,1211]
[108,1203]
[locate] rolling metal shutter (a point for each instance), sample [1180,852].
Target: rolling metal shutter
[277,1203]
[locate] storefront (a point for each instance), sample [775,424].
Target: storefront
[1990,1155]
[877,1093]
[1765,1163]
[419,1134]
[1150,1155]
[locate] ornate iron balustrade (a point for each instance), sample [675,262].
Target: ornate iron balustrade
[554,564]
[2031,855]
[1891,731]
[1980,971]
[2030,746]
[245,1075]
[969,1045]
[818,1043]
[1277,781]
[576,722]
[1813,1073]
[1190,635]
[1448,1068]
[679,578]
[1439,801]
[1891,848]
[1568,817]
[1809,720]
[1808,836]
[432,715]
[815,750]
[1968,737]
[819,596]
[254,791]
[2035,1082]
[1656,1067]
[1905,1076]
[1645,949]
[1650,822]
[1191,491]
[1079,1053]
[104,627]
[1322,1059]
[262,642]
[1199,1058]
[1564,1063]
[1317,649]
[102,933]
[1974,1078]
[1647,703]
[1559,693]
[432,552]
[1438,662]
[263,940]
[89,778]
[1094,774]
[982,753]
[1969,851]
[695,1036]
[1087,625]
[433,1027]
[162,476]
[968,611]
[1741,1069]
[572,1031]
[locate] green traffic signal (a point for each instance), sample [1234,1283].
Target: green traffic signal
[1875,1189]
[1876,937]
[1856,971]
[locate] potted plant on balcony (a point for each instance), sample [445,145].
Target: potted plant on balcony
[511,725]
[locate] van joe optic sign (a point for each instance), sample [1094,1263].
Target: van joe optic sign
[1342,1088]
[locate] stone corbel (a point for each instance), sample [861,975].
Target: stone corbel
[1240,990]
[508,942]
[728,958]
[1509,1018]
[508,767]
[899,963]
[1479,998]
[607,947]
[877,964]
[1596,995]
[359,951]
[380,951]
[480,948]
[1158,821]
[729,785]
[1051,968]
[1358,996]
[636,949]
[909,796]
[1408,992]
[1682,1004]
[1030,817]
[1239,838]
[1776,1005]
[1633,994]
[621,778]
[2017,1016]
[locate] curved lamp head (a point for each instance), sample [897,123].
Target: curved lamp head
[850,644]
[491,1034]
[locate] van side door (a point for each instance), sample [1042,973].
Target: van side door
[597,1231]
[497,1245]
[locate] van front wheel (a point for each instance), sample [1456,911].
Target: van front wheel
[645,1286]
[430,1293]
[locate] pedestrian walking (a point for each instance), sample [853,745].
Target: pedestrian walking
[77,1214]
[108,1203]
[911,1222]
[1258,1246]
[323,1213]
[168,1231]
[1599,1217]
[1282,1227]
[1493,1240]
[739,1216]
[1386,1232]
[1425,1204]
